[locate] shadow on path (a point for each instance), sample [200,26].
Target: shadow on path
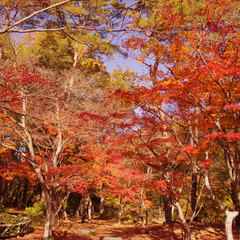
[62,235]
[150,232]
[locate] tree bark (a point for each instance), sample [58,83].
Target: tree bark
[193,141]
[24,193]
[17,194]
[235,186]
[146,215]
[120,213]
[186,228]
[3,192]
[194,194]
[168,209]
[102,202]
[49,224]
[141,214]
[230,216]
[89,209]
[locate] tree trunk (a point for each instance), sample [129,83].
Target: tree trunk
[42,196]
[24,193]
[194,194]
[187,231]
[89,209]
[235,186]
[11,194]
[1,51]
[146,215]
[79,208]
[36,189]
[49,224]
[120,213]
[17,194]
[102,202]
[4,191]
[193,141]
[168,209]
[230,216]
[1,189]
[65,211]
[141,214]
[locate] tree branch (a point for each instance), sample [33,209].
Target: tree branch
[7,29]
[34,30]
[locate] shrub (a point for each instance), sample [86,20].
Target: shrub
[6,218]
[93,233]
[37,213]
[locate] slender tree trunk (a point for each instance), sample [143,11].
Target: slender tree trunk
[193,141]
[1,51]
[168,209]
[146,215]
[23,199]
[1,189]
[141,214]
[64,209]
[235,186]
[17,194]
[70,83]
[50,218]
[79,208]
[142,206]
[36,189]
[187,231]
[120,213]
[194,194]
[160,212]
[102,202]
[89,209]
[143,209]
[230,216]
[4,191]
[11,193]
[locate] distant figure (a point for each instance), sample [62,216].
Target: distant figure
[84,213]
[72,217]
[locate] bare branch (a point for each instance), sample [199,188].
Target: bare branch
[35,30]
[7,29]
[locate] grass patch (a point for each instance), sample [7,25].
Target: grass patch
[93,233]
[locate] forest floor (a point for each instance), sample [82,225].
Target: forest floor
[106,228]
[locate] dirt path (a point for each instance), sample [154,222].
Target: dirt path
[101,228]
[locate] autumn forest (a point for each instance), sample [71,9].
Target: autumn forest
[160,144]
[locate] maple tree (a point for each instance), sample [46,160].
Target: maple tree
[193,83]
[110,174]
[38,117]
[58,141]
[152,149]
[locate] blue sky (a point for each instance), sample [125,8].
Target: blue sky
[119,60]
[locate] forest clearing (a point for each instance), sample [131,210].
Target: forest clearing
[122,116]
